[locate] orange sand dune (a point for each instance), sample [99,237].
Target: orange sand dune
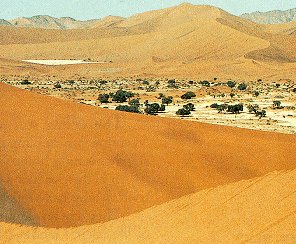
[184,40]
[70,164]
[261,210]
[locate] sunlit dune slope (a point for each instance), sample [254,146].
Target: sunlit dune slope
[185,33]
[261,210]
[184,40]
[70,164]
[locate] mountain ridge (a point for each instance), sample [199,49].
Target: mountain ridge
[65,23]
[271,17]
[62,23]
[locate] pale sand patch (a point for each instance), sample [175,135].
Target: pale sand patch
[61,62]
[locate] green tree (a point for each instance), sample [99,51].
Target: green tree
[242,86]
[188,95]
[183,112]
[231,84]
[130,109]
[189,106]
[104,98]
[277,104]
[135,102]
[167,100]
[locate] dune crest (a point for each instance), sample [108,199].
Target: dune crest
[227,214]
[70,164]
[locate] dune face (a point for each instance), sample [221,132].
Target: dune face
[261,210]
[12,212]
[69,164]
[186,40]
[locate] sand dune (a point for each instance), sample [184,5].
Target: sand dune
[180,40]
[261,210]
[69,164]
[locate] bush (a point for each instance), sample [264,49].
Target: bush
[231,84]
[183,112]
[277,104]
[104,98]
[130,109]
[232,95]
[172,84]
[253,108]
[205,83]
[145,82]
[121,96]
[135,102]
[235,109]
[294,89]
[256,93]
[242,86]
[162,108]
[167,100]
[151,88]
[26,82]
[58,86]
[188,95]
[189,106]
[153,108]
[261,114]
[160,95]
[214,105]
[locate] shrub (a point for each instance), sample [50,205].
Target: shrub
[130,109]
[167,100]
[121,96]
[58,86]
[242,86]
[205,83]
[232,95]
[160,95]
[222,107]
[235,109]
[145,82]
[261,114]
[151,88]
[294,89]
[26,82]
[214,105]
[172,84]
[135,102]
[256,93]
[189,106]
[253,108]
[104,98]
[231,84]
[183,112]
[153,108]
[277,104]
[188,95]
[162,108]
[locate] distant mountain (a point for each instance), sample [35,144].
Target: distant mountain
[3,22]
[271,17]
[64,23]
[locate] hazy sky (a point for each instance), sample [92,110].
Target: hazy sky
[87,9]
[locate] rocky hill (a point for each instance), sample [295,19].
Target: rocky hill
[64,23]
[271,17]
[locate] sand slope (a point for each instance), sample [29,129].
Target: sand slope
[69,164]
[261,210]
[183,40]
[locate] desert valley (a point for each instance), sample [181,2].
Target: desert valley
[170,126]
